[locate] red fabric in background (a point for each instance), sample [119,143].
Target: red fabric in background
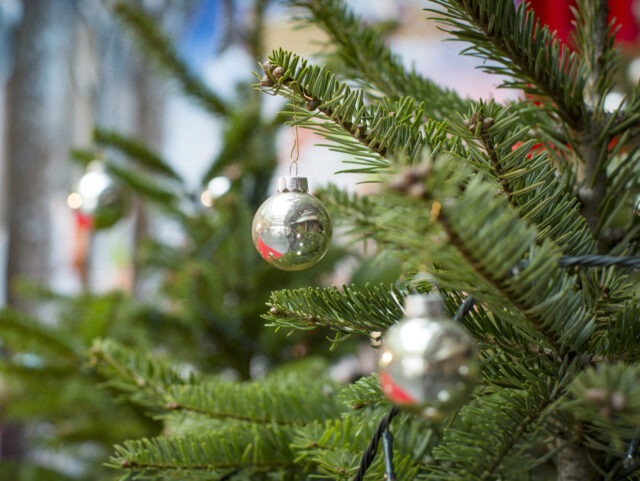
[557,14]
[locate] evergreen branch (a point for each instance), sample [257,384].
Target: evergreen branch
[147,187]
[539,322]
[359,212]
[83,157]
[607,397]
[284,403]
[352,310]
[491,331]
[499,420]
[150,382]
[251,447]
[618,338]
[24,372]
[367,57]
[135,151]
[160,48]
[335,448]
[388,220]
[31,334]
[144,379]
[371,133]
[497,144]
[521,48]
[23,470]
[490,148]
[486,232]
[620,186]
[363,393]
[596,42]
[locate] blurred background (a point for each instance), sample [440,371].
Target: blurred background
[68,67]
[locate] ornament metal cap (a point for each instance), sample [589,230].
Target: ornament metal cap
[292,184]
[424,305]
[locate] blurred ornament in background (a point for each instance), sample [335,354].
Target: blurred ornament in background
[292,229]
[428,363]
[99,197]
[216,188]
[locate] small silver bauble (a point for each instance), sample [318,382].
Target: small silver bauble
[428,363]
[216,188]
[99,196]
[292,229]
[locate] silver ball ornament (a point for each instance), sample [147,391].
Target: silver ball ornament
[427,363]
[99,196]
[292,229]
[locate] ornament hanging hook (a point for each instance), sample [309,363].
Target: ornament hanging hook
[296,141]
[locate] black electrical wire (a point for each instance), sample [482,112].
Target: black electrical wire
[464,308]
[372,448]
[387,449]
[383,428]
[629,459]
[600,261]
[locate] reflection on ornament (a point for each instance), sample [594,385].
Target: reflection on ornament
[428,363]
[292,229]
[99,197]
[268,252]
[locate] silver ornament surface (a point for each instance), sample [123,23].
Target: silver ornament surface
[427,363]
[292,229]
[100,196]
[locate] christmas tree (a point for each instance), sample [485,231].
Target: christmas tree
[525,210]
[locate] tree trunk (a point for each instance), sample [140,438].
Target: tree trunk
[149,130]
[574,465]
[37,136]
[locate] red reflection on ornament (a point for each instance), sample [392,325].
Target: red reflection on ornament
[393,391]
[267,252]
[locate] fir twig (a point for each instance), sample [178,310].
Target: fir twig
[161,50]
[369,59]
[135,151]
[523,49]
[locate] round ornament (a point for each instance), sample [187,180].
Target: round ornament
[99,197]
[292,229]
[428,363]
[216,188]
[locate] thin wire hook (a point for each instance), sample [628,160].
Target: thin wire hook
[296,141]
